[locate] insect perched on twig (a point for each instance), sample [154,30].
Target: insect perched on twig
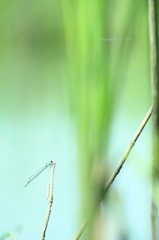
[49,164]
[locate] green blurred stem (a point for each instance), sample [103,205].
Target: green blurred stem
[119,166]
[153,29]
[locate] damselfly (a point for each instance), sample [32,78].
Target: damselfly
[49,164]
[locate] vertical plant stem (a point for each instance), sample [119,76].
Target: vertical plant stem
[50,202]
[153,26]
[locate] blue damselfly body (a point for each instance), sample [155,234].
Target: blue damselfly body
[49,164]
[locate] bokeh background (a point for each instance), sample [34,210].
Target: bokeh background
[74,87]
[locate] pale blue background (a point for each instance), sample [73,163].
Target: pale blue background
[28,143]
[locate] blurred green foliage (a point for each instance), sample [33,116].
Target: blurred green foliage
[83,53]
[30,61]
[7,236]
[102,40]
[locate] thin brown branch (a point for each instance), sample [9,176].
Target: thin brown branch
[127,151]
[119,166]
[50,201]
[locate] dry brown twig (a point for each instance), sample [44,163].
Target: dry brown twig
[50,201]
[118,168]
